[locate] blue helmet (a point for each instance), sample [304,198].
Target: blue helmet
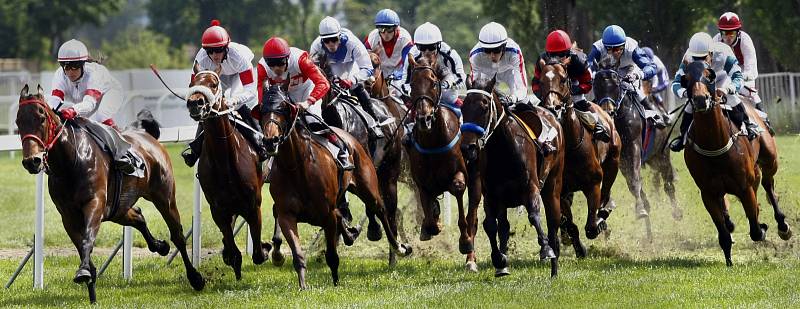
[613,36]
[649,52]
[387,17]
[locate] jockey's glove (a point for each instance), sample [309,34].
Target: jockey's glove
[68,113]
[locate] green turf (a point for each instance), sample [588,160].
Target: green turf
[682,267]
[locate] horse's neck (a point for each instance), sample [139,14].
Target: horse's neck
[220,135]
[711,129]
[292,153]
[443,124]
[572,125]
[70,153]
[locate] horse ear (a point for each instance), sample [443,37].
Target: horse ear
[24,91]
[412,62]
[40,90]
[468,82]
[196,67]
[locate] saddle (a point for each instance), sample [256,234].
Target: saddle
[111,142]
[318,131]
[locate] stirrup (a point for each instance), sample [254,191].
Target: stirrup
[344,159]
[601,134]
[189,157]
[125,165]
[676,145]
[658,122]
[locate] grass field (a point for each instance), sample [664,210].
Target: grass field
[682,267]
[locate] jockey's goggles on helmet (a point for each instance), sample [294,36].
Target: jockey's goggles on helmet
[71,65]
[559,55]
[728,32]
[386,29]
[496,50]
[615,48]
[214,50]
[276,62]
[428,47]
[330,40]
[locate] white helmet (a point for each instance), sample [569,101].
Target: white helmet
[492,35]
[73,50]
[427,34]
[699,45]
[329,27]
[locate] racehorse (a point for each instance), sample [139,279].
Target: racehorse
[307,185]
[640,140]
[722,161]
[437,165]
[592,166]
[229,171]
[85,189]
[511,171]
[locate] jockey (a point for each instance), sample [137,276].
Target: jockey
[428,43]
[729,79]
[236,76]
[292,69]
[392,44]
[497,54]
[349,63]
[558,46]
[660,81]
[87,84]
[632,64]
[730,33]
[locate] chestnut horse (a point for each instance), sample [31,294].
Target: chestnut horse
[435,155]
[592,165]
[618,99]
[82,187]
[511,171]
[229,171]
[307,185]
[722,161]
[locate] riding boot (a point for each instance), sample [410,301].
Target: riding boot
[752,129]
[256,138]
[366,103]
[591,121]
[193,149]
[657,119]
[344,155]
[760,107]
[676,144]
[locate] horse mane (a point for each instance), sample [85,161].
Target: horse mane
[607,62]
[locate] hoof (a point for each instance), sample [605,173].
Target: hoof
[592,233]
[760,234]
[472,267]
[277,258]
[728,263]
[405,250]
[603,213]
[546,253]
[785,235]
[162,248]
[374,232]
[82,276]
[501,272]
[465,247]
[196,280]
[580,251]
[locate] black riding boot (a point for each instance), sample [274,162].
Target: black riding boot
[739,116]
[677,143]
[112,143]
[366,103]
[255,136]
[659,120]
[760,106]
[599,132]
[344,155]
[192,151]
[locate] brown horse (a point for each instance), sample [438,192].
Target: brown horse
[307,185]
[722,161]
[229,171]
[83,190]
[592,165]
[511,171]
[435,155]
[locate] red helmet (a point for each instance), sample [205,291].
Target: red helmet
[729,21]
[275,47]
[215,36]
[557,41]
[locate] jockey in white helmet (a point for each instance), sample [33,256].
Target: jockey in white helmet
[238,83]
[497,54]
[95,95]
[428,43]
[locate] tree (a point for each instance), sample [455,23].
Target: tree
[775,23]
[138,48]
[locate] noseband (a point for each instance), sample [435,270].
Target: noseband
[214,99]
[494,119]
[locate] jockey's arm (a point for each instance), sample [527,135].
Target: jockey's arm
[735,73]
[361,59]
[677,88]
[249,93]
[592,59]
[537,73]
[312,72]
[58,85]
[90,100]
[643,62]
[262,82]
[750,65]
[662,74]
[518,86]
[456,79]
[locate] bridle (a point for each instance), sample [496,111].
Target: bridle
[422,97]
[494,119]
[214,106]
[54,130]
[285,128]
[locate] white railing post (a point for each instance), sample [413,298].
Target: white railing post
[792,92]
[127,253]
[196,219]
[448,214]
[38,235]
[249,247]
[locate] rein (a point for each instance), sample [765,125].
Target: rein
[494,119]
[54,130]
[213,98]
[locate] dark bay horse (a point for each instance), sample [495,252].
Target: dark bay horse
[511,171]
[229,171]
[591,166]
[82,187]
[437,165]
[307,185]
[618,99]
[722,161]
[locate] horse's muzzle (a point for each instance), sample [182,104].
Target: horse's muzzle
[34,164]
[272,144]
[469,151]
[426,121]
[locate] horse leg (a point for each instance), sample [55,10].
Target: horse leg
[610,172]
[715,207]
[535,219]
[260,249]
[631,168]
[648,228]
[74,226]
[499,260]
[87,273]
[569,230]
[331,239]
[768,182]
[276,255]
[169,211]
[552,208]
[133,217]
[593,199]
[474,195]
[372,201]
[289,228]
[758,231]
[230,252]
[388,189]
[431,225]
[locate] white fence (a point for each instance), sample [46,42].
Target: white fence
[779,92]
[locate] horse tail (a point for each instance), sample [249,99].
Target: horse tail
[148,123]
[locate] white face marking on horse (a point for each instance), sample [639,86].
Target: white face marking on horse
[550,75]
